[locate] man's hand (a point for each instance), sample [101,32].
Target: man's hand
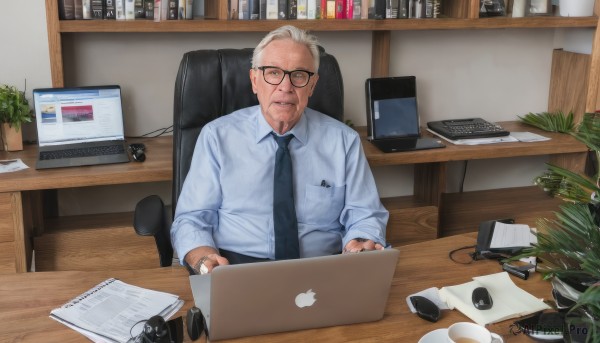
[361,244]
[212,260]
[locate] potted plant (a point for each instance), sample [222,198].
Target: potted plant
[14,111]
[569,244]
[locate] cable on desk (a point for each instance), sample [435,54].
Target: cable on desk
[160,131]
[464,175]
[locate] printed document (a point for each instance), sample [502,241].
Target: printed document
[512,236]
[114,311]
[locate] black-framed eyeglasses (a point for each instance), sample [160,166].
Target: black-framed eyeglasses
[274,76]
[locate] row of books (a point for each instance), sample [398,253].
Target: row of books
[251,9]
[125,9]
[333,9]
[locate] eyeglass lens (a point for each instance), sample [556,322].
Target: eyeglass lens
[274,76]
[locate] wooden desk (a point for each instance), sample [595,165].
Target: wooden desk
[412,218]
[431,212]
[21,200]
[27,299]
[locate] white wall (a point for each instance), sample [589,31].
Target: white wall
[494,74]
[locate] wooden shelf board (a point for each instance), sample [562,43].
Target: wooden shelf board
[209,25]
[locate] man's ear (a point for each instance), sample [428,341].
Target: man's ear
[313,83]
[253,80]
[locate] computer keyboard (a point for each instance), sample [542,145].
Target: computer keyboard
[82,152]
[467,128]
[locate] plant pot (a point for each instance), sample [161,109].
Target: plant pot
[12,139]
[576,8]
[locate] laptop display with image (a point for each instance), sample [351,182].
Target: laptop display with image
[79,126]
[392,115]
[267,297]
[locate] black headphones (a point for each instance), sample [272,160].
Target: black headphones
[137,151]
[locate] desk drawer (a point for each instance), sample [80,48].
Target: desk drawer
[7,230]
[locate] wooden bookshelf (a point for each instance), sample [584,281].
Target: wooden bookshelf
[456,15]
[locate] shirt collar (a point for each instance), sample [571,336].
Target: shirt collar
[263,129]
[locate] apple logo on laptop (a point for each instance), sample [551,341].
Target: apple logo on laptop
[305,299]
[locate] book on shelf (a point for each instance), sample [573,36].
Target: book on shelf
[253,9]
[173,7]
[109,9]
[357,9]
[78,9]
[301,9]
[164,9]
[129,10]
[149,9]
[282,8]
[138,7]
[114,311]
[378,10]
[348,9]
[391,9]
[271,9]
[243,9]
[311,9]
[189,9]
[158,10]
[120,9]
[66,9]
[97,9]
[292,9]
[402,9]
[330,9]
[339,9]
[86,7]
[364,9]
[262,9]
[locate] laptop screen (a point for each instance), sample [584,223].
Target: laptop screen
[392,106]
[78,115]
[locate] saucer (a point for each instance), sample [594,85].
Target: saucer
[435,336]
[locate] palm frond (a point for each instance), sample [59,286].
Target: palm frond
[568,185]
[548,121]
[588,131]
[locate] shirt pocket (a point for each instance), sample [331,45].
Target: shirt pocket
[323,205]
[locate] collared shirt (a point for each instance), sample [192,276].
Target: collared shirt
[227,198]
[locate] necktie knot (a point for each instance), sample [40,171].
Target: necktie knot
[282,141]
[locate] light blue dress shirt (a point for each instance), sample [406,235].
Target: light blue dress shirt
[227,197]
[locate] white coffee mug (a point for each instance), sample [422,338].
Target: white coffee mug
[465,332]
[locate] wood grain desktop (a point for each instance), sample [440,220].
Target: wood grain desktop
[26,299]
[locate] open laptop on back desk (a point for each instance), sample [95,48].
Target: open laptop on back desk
[267,297]
[79,126]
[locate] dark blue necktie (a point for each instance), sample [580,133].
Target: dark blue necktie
[284,212]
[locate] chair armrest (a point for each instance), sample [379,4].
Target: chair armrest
[149,220]
[149,216]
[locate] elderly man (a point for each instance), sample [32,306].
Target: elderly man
[278,180]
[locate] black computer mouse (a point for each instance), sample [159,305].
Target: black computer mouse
[482,300]
[426,309]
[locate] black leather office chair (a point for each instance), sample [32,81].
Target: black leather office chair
[210,84]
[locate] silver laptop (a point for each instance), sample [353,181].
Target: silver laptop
[79,126]
[268,297]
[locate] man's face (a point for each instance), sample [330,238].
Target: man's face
[282,105]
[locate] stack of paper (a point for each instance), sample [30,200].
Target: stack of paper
[510,301]
[114,311]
